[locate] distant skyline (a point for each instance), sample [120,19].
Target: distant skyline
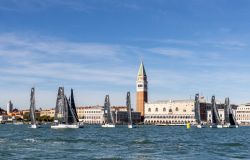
[95,47]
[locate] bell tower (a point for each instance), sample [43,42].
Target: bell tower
[141,90]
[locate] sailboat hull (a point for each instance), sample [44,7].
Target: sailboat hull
[226,125]
[63,126]
[200,126]
[34,126]
[216,126]
[233,126]
[108,126]
[130,126]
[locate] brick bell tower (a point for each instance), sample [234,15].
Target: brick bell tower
[141,90]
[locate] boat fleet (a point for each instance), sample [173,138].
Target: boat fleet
[216,122]
[66,114]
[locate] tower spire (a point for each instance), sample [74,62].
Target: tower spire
[141,89]
[142,71]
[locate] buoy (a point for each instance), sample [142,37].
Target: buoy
[188,126]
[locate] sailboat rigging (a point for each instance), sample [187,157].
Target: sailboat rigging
[33,109]
[65,111]
[197,112]
[128,103]
[108,118]
[216,121]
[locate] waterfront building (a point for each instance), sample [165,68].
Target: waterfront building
[9,107]
[141,90]
[94,115]
[174,112]
[5,118]
[243,114]
[91,114]
[47,112]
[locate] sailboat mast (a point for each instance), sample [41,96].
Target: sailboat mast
[197,109]
[129,109]
[214,112]
[32,106]
[60,106]
[73,106]
[108,118]
[226,110]
[231,117]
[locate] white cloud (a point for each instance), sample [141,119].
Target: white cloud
[172,52]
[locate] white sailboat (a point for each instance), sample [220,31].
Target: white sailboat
[33,109]
[108,118]
[128,103]
[65,116]
[197,112]
[216,121]
[230,121]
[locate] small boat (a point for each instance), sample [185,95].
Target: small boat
[73,106]
[198,112]
[128,102]
[230,121]
[200,126]
[65,114]
[33,110]
[64,126]
[216,121]
[108,125]
[18,122]
[216,126]
[108,118]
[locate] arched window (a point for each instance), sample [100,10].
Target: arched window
[156,109]
[176,109]
[164,109]
[170,110]
[149,109]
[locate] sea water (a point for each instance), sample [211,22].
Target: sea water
[143,142]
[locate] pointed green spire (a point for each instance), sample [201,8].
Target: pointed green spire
[142,71]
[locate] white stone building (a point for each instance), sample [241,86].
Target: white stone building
[90,115]
[177,112]
[243,114]
[94,114]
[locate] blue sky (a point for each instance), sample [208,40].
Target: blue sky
[96,47]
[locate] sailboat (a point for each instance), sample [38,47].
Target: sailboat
[216,121]
[230,121]
[197,112]
[128,102]
[65,116]
[73,106]
[226,114]
[108,118]
[33,109]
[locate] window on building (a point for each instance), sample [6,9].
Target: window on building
[149,109]
[156,109]
[139,85]
[170,110]
[176,109]
[164,109]
[184,110]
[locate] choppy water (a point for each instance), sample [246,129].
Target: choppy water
[145,142]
